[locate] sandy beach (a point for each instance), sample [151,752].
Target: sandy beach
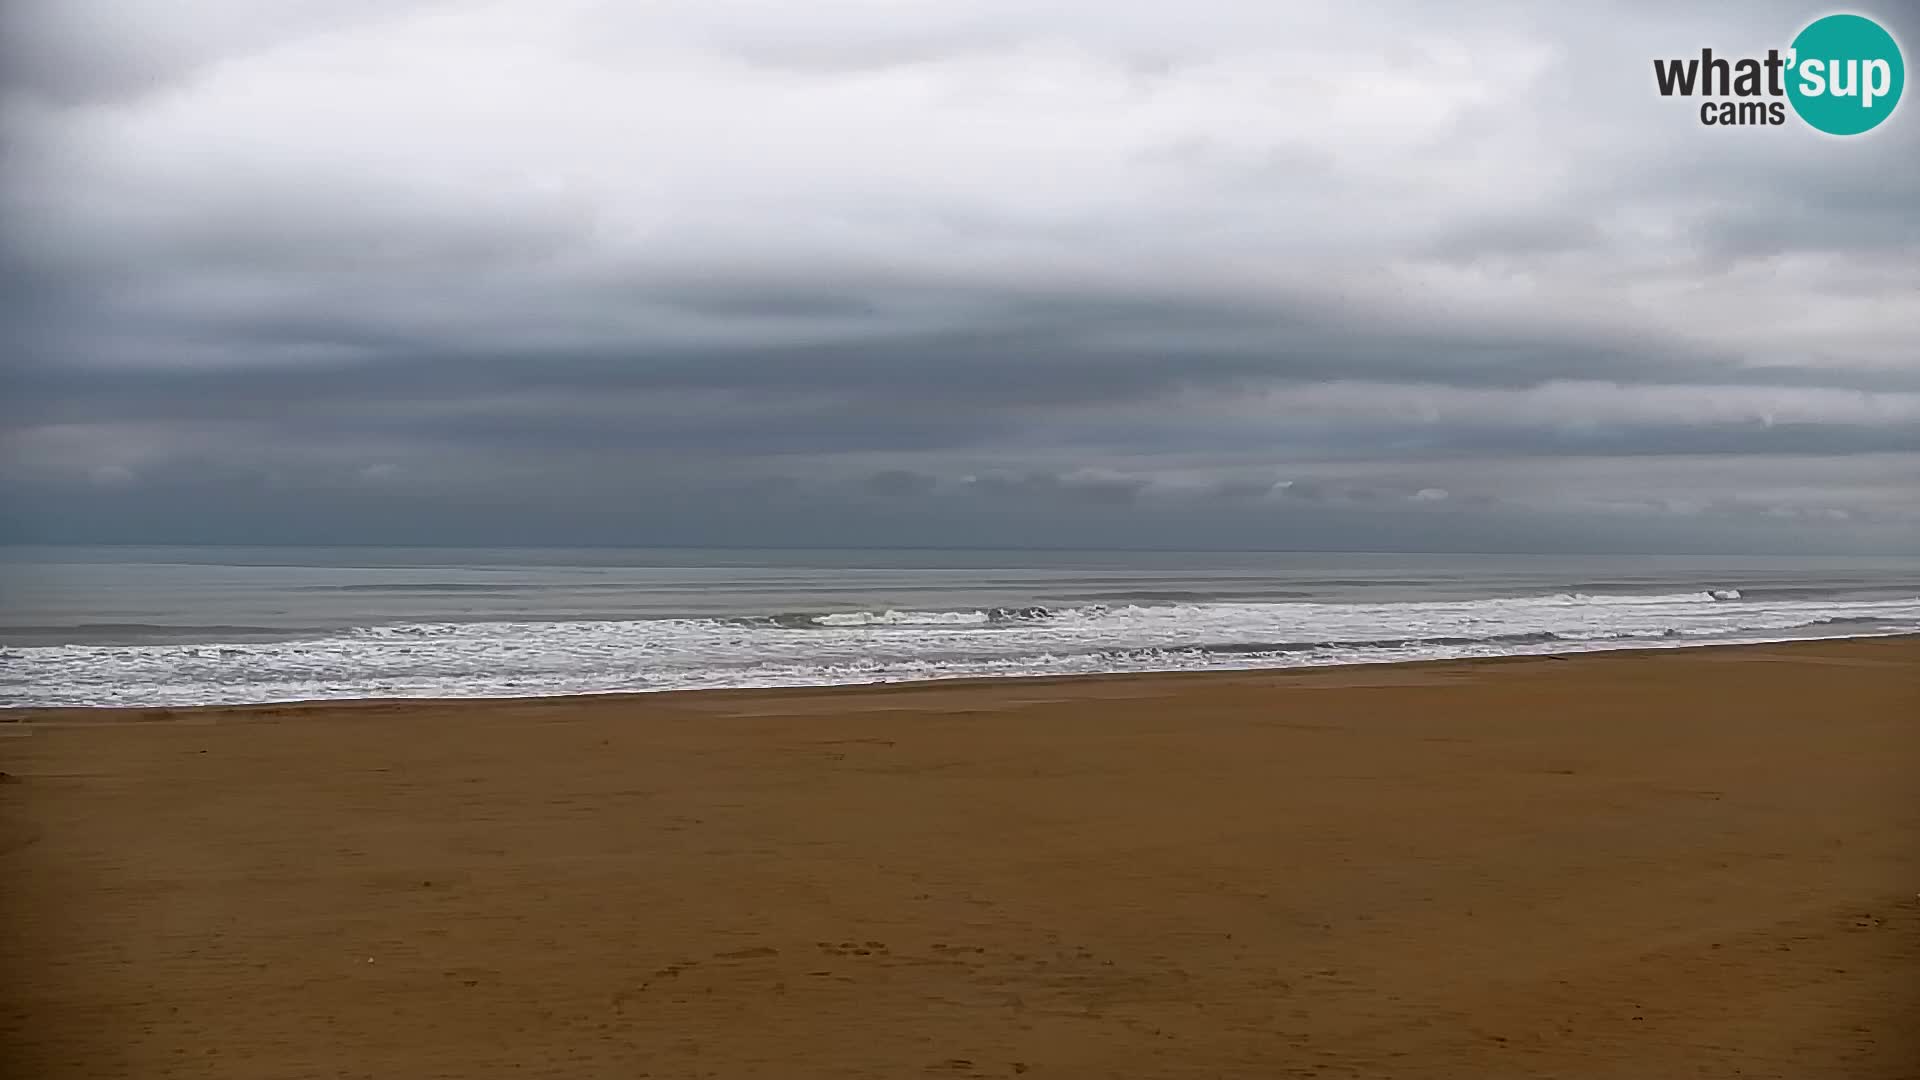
[1696,862]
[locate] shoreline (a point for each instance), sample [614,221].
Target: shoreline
[50,715]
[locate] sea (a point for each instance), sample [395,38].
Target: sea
[122,626]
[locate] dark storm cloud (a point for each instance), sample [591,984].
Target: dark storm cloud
[1519,235]
[895,482]
[1094,486]
[1243,487]
[93,52]
[859,274]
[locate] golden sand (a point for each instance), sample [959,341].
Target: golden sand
[1688,863]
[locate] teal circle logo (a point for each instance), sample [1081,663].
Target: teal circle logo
[1846,74]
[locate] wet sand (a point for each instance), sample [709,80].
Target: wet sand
[1687,863]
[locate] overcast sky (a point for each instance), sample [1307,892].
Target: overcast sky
[978,272]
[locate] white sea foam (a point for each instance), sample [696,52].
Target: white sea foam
[492,659]
[901,618]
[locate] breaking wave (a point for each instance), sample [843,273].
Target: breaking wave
[505,658]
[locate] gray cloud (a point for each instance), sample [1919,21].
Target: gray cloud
[1080,485]
[900,482]
[1231,275]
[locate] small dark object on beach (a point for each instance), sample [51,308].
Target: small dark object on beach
[8,778]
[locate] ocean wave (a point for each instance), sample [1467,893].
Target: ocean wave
[1176,604]
[890,617]
[406,587]
[502,658]
[1261,648]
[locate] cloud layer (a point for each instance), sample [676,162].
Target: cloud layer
[916,272]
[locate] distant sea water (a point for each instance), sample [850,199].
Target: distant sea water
[191,626]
